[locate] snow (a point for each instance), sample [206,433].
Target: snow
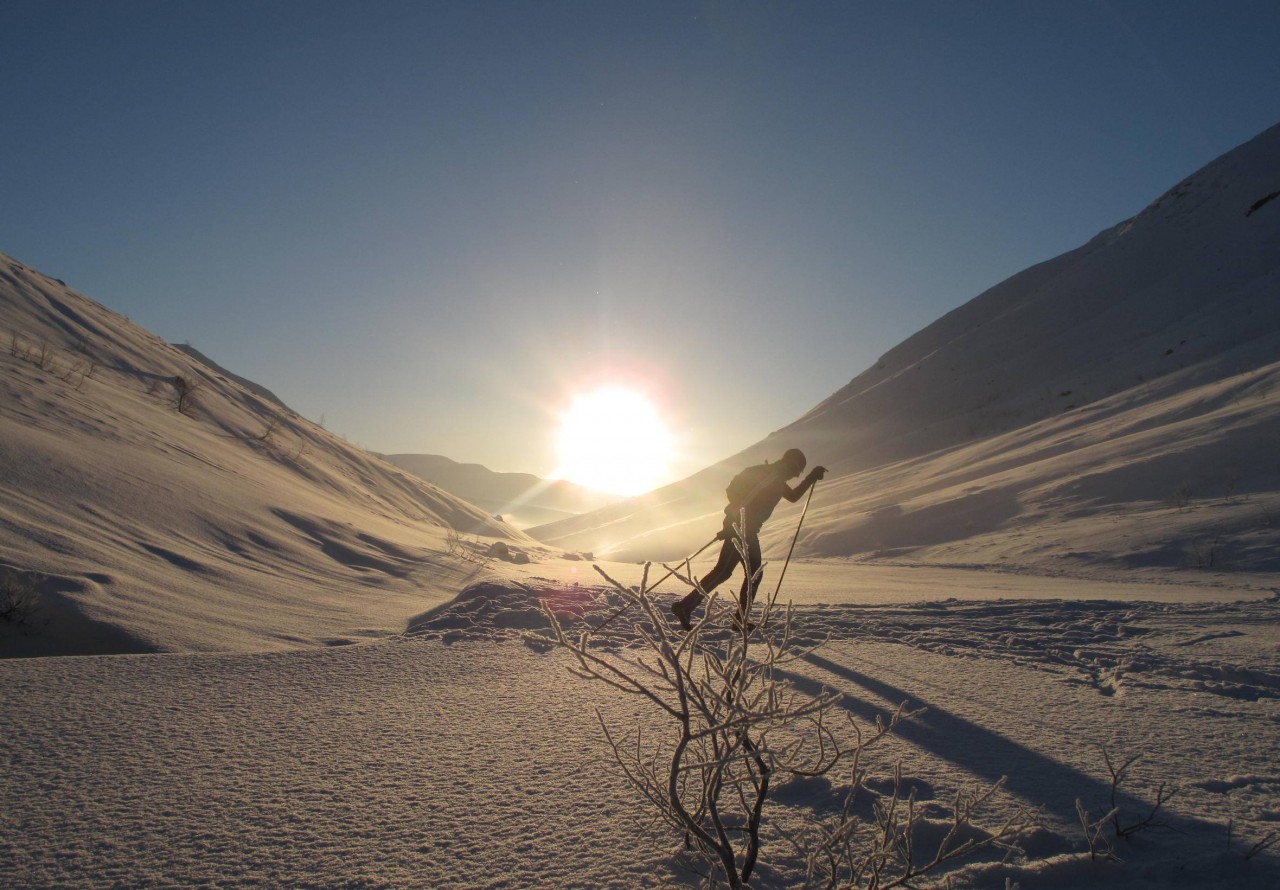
[366,766]
[296,666]
[462,753]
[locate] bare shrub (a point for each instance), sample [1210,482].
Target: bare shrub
[465,549]
[186,393]
[272,427]
[885,852]
[1262,845]
[1254,850]
[1127,829]
[453,542]
[19,599]
[1100,846]
[1233,488]
[44,355]
[1205,554]
[78,373]
[1180,498]
[735,729]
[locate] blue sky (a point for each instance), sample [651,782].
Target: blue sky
[430,223]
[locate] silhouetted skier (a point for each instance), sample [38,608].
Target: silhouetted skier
[757,491]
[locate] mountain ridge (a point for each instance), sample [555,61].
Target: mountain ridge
[522,499]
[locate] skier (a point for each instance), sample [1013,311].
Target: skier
[756,490]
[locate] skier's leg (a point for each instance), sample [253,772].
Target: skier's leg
[729,557]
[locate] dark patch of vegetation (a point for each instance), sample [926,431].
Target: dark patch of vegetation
[1258,205]
[19,599]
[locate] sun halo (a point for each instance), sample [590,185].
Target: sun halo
[612,439]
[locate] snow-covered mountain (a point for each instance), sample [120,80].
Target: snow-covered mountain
[1119,404]
[159,502]
[521,499]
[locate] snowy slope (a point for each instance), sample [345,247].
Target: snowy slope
[1132,379]
[236,524]
[521,499]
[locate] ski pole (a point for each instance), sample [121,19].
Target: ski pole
[686,559]
[783,573]
[608,620]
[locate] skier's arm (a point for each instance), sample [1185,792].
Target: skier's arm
[795,494]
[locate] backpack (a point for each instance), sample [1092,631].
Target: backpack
[744,486]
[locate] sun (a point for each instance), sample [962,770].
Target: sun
[613,440]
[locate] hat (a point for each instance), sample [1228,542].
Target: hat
[795,458]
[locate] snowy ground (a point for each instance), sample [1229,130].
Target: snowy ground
[462,754]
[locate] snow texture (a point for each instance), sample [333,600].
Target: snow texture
[462,754]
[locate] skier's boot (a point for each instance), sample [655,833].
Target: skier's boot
[683,610]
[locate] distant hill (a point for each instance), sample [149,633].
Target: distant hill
[1118,405]
[521,499]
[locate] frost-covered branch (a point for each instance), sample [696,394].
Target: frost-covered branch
[735,728]
[1163,794]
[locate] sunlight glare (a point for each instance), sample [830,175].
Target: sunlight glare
[612,439]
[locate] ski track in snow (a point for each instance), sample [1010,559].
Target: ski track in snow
[1109,646]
